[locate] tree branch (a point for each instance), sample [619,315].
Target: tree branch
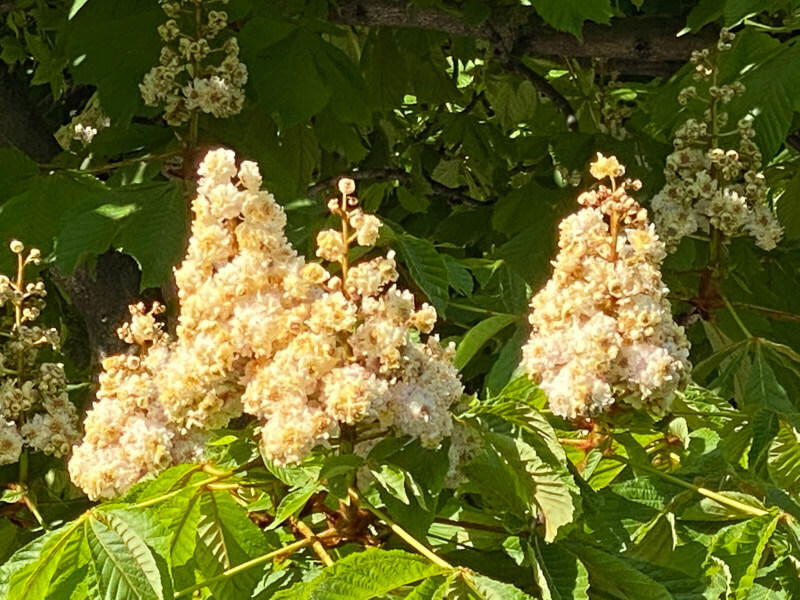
[637,45]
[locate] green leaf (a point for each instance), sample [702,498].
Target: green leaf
[570,16]
[384,69]
[393,479]
[485,588]
[788,209]
[477,336]
[148,221]
[226,537]
[617,577]
[427,268]
[783,462]
[741,547]
[771,90]
[17,172]
[433,588]
[564,576]
[762,389]
[181,516]
[512,99]
[112,45]
[709,510]
[736,10]
[543,488]
[291,503]
[124,566]
[32,570]
[364,575]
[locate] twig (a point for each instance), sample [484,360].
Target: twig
[289,549]
[316,545]
[712,495]
[402,533]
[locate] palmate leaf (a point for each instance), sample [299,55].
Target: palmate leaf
[364,575]
[123,566]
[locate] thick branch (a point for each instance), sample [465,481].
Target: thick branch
[643,45]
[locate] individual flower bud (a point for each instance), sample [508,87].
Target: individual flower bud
[346,186]
[16,246]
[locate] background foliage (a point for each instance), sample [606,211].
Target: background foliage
[469,126]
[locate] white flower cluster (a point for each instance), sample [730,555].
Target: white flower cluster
[709,187]
[262,331]
[602,325]
[190,77]
[35,410]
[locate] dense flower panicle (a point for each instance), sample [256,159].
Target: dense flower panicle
[263,332]
[190,78]
[35,410]
[602,325]
[707,185]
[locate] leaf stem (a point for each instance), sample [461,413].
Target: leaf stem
[402,533]
[710,494]
[288,549]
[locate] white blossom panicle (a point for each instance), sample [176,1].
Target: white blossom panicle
[708,186]
[199,69]
[602,328]
[263,332]
[35,410]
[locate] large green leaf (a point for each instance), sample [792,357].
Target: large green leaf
[544,486]
[564,576]
[364,575]
[783,462]
[112,45]
[148,221]
[477,336]
[226,538]
[427,268]
[124,567]
[741,547]
[616,577]
[31,572]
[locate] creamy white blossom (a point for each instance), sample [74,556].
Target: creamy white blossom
[261,331]
[602,328]
[199,68]
[710,187]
